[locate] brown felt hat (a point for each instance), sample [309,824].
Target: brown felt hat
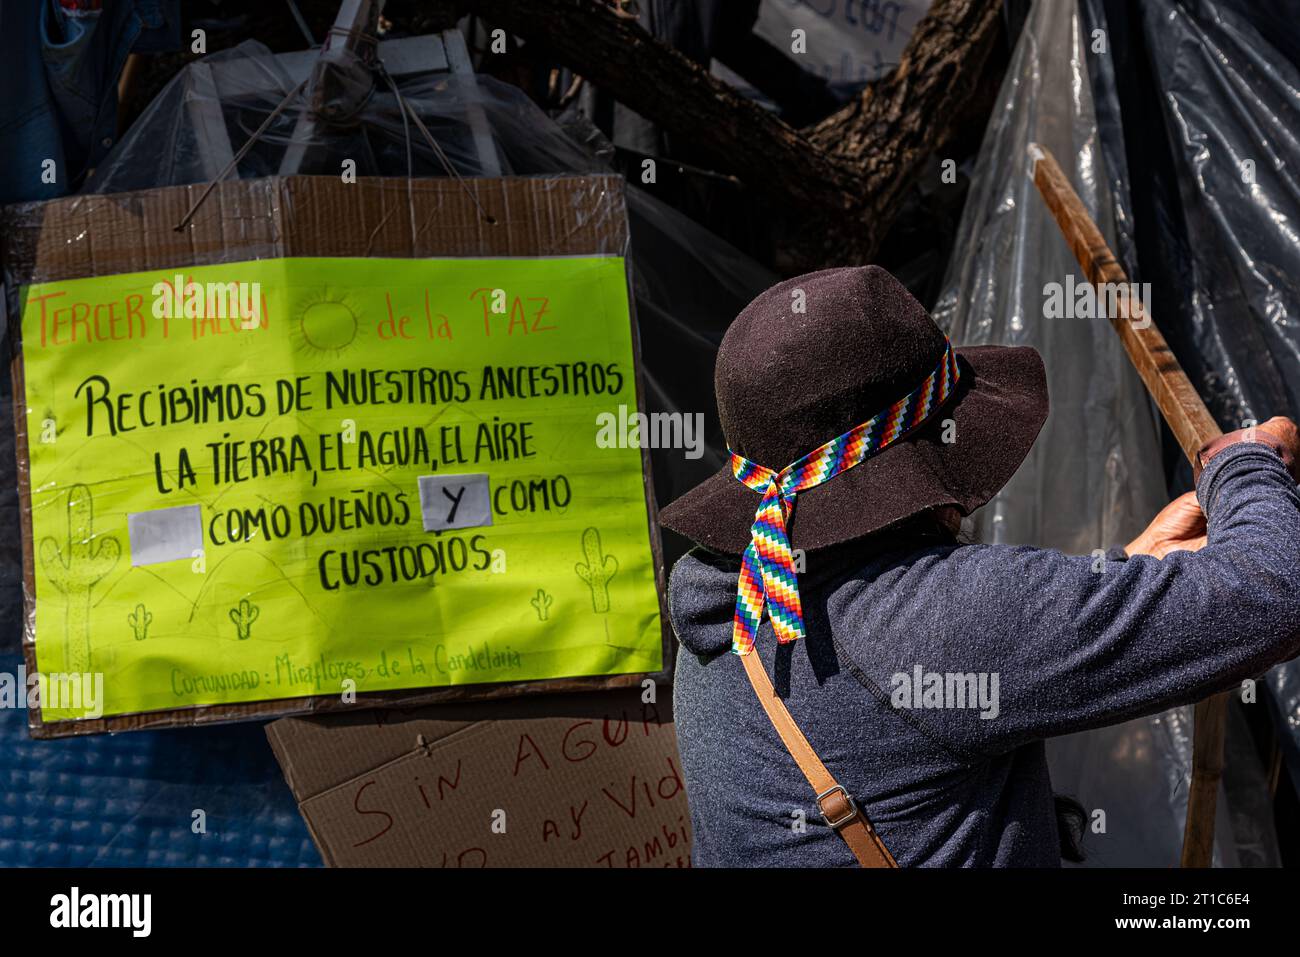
[788,381]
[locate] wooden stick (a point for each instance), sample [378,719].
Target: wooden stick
[1193,427]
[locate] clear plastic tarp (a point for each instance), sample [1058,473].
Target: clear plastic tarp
[1208,94]
[1100,450]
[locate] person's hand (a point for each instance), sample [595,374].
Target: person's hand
[1283,432]
[1180,527]
[1278,432]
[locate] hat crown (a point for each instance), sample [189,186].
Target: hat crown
[816,355]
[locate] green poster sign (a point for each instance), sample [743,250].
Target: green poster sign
[302,477]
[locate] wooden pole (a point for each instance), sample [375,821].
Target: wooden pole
[1193,427]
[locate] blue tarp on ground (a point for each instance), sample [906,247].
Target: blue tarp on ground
[129,800]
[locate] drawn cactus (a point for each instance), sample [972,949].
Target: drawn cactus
[140,621]
[542,603]
[597,570]
[243,617]
[74,568]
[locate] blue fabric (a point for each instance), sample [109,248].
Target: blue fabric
[128,800]
[1075,643]
[60,88]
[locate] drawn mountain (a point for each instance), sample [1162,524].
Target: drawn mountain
[141,612]
[247,598]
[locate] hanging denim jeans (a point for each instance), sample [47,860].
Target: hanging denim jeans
[62,60]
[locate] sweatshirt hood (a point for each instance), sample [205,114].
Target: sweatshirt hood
[702,601]
[702,592]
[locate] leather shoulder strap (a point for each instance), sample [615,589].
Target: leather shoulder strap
[837,807]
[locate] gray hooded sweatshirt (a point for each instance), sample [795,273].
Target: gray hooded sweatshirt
[1011,645]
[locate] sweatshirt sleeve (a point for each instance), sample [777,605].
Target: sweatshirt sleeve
[1078,642]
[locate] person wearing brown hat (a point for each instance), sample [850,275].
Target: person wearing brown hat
[857,686]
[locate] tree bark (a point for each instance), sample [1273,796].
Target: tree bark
[840,180]
[664,86]
[898,122]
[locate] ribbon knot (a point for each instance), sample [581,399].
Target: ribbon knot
[767,572]
[767,569]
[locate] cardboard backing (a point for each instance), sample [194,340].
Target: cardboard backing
[587,780]
[276,217]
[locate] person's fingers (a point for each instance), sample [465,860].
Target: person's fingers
[1182,545]
[1182,514]
[1179,521]
[1282,432]
[1191,507]
[1281,428]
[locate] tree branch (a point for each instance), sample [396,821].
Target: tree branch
[663,85]
[841,180]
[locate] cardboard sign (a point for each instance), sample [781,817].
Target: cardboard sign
[313,452]
[389,467]
[570,781]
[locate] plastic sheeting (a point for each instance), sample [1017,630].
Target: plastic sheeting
[484,128]
[1206,112]
[1100,449]
[1232,117]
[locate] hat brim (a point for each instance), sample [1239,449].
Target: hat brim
[998,410]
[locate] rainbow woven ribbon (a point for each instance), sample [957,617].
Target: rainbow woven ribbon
[767,573]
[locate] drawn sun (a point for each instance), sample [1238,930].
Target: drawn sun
[325,321]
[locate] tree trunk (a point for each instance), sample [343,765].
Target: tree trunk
[840,180]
